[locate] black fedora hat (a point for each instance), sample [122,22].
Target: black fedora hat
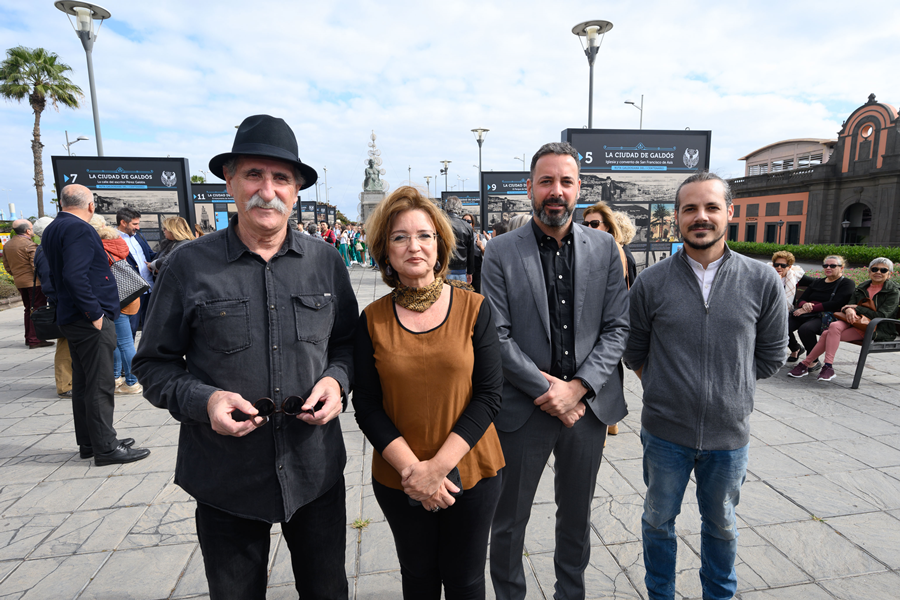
[269,137]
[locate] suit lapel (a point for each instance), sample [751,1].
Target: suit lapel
[582,268]
[531,264]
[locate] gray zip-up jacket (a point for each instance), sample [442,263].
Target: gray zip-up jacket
[701,360]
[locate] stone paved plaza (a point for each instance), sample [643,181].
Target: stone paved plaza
[819,514]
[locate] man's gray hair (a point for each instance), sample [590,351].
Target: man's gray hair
[21,228]
[558,148]
[453,205]
[75,197]
[704,176]
[882,261]
[230,166]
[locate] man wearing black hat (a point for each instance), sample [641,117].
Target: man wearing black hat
[248,343]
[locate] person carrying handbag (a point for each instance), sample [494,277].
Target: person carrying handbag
[876,298]
[126,382]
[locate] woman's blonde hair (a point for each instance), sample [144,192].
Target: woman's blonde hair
[379,223]
[607,214]
[626,227]
[179,228]
[108,233]
[839,257]
[785,255]
[97,222]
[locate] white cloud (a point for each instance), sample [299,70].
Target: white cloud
[175,78]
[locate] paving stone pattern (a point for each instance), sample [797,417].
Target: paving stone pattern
[819,516]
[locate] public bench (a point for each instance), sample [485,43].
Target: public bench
[869,346]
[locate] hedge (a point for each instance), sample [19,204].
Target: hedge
[859,255]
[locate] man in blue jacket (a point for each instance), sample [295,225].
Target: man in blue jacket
[86,310]
[706,323]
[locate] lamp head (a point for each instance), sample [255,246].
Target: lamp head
[479,133]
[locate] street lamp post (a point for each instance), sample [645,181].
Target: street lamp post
[428,184]
[463,179]
[68,144]
[780,224]
[594,32]
[85,14]
[522,158]
[641,108]
[846,225]
[479,137]
[325,176]
[444,172]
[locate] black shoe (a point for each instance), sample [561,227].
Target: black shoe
[88,451]
[120,456]
[66,395]
[793,359]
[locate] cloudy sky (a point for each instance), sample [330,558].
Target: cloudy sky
[174,78]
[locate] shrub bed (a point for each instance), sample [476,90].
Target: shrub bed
[859,255]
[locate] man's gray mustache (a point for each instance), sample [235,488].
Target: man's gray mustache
[275,204]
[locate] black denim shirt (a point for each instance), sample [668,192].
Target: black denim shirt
[221,318]
[558,266]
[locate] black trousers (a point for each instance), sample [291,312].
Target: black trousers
[807,327]
[236,550]
[448,546]
[29,295]
[93,385]
[476,273]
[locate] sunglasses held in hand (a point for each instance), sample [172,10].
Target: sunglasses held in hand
[292,405]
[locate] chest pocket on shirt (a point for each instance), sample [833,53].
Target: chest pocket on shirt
[225,324]
[314,316]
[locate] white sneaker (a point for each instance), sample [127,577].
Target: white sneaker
[137,388]
[119,381]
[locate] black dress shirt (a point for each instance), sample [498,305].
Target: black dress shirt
[222,318]
[558,266]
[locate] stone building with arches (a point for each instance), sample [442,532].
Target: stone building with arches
[814,191]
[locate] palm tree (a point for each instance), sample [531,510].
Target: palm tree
[658,219]
[38,75]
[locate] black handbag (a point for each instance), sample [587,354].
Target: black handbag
[44,318]
[130,283]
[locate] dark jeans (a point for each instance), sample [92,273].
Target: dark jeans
[30,294]
[93,385]
[236,550]
[808,327]
[719,475]
[448,546]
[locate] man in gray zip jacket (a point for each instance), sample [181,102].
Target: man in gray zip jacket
[705,325]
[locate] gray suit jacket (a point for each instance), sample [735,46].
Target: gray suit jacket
[512,280]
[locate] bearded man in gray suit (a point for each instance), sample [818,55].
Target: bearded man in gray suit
[561,310]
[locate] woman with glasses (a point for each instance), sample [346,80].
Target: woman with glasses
[828,294]
[626,234]
[883,293]
[428,382]
[600,216]
[791,275]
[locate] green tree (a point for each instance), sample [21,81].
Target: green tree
[658,219]
[197,179]
[39,76]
